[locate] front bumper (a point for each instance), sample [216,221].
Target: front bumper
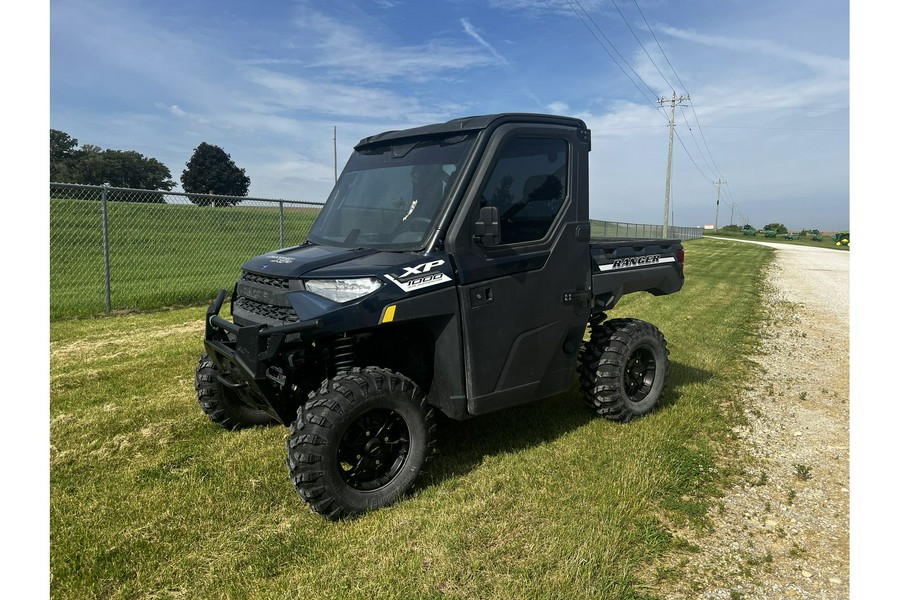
[245,355]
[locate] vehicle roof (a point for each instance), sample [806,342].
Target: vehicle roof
[473,123]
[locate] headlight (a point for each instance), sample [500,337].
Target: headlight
[343,290]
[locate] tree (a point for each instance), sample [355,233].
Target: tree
[776,227]
[62,155]
[91,165]
[88,165]
[130,169]
[211,171]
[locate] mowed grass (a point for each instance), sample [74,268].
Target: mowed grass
[825,242]
[160,254]
[150,500]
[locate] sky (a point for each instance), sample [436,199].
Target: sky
[768,82]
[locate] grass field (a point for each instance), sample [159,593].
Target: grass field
[160,254]
[148,499]
[826,242]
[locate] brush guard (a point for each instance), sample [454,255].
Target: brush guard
[244,353]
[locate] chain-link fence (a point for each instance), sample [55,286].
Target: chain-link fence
[612,229]
[114,249]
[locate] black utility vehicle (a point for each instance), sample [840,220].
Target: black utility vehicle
[452,269]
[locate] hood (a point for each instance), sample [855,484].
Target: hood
[328,261]
[300,260]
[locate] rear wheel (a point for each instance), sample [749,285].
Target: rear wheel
[623,368]
[360,442]
[222,405]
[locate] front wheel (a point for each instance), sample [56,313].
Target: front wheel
[222,405]
[360,442]
[623,368]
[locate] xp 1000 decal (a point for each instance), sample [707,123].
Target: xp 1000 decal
[420,276]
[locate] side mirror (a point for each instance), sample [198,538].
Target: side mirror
[487,227]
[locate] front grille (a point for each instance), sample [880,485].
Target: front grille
[276,282]
[268,311]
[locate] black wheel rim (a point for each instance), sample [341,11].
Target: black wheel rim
[373,449]
[640,371]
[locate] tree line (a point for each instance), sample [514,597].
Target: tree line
[210,171]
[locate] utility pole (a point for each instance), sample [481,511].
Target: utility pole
[732,204]
[675,101]
[718,187]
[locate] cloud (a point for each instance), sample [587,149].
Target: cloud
[283,92]
[339,50]
[558,107]
[816,62]
[474,35]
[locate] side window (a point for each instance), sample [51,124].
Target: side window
[528,187]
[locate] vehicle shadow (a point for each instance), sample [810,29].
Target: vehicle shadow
[681,376]
[463,445]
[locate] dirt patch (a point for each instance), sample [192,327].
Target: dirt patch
[783,530]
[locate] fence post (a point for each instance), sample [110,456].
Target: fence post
[103,199]
[280,224]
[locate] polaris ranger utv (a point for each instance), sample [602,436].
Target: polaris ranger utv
[452,269]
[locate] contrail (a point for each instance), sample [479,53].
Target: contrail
[471,31]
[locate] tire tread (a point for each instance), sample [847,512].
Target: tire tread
[309,434]
[602,359]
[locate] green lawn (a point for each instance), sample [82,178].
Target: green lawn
[160,255]
[826,241]
[148,499]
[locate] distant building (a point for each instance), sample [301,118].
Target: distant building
[709,227]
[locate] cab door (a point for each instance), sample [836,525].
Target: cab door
[521,248]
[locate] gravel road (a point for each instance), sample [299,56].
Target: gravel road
[783,530]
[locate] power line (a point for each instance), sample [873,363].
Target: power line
[703,137]
[597,27]
[684,87]
[658,45]
[594,23]
[686,151]
[675,101]
[728,192]
[690,129]
[624,20]
[713,167]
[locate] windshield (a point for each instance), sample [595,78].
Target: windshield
[389,196]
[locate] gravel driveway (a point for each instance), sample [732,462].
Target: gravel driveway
[783,530]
